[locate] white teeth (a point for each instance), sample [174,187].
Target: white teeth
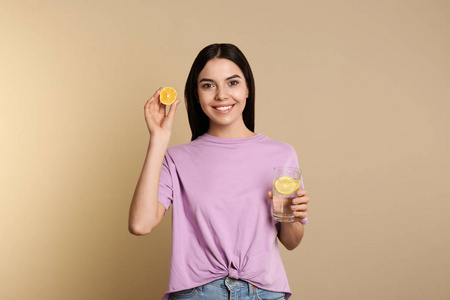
[224,107]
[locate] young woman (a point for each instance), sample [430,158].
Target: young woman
[224,239]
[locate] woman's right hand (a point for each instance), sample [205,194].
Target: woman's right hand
[158,123]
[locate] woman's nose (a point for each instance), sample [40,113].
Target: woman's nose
[221,93]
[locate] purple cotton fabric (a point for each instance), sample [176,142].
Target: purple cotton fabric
[221,217]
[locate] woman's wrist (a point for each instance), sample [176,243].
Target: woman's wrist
[158,141]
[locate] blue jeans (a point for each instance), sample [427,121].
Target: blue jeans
[227,289]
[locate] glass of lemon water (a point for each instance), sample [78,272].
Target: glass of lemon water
[286,182]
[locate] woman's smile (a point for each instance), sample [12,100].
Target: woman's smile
[223,109]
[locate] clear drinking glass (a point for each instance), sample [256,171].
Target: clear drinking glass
[286,182]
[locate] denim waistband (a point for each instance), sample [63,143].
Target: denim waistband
[233,284]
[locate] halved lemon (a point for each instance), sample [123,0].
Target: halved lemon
[286,185]
[168,95]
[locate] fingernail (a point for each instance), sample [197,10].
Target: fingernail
[295,201]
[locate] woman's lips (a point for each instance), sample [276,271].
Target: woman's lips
[223,108]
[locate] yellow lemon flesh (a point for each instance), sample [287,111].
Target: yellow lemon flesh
[286,185]
[168,95]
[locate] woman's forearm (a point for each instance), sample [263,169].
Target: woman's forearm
[145,210]
[291,234]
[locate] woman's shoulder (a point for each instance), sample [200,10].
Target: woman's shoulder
[180,147]
[276,142]
[185,148]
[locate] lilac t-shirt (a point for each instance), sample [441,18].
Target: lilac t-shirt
[221,219]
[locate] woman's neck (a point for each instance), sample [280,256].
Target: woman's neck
[227,132]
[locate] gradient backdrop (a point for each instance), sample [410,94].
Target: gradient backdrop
[360,88]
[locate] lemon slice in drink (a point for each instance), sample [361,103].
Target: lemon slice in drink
[168,95]
[298,184]
[285,185]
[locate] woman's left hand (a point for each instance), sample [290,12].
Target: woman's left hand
[299,205]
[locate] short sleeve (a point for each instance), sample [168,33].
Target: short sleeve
[165,192]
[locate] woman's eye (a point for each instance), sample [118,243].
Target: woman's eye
[207,86]
[234,82]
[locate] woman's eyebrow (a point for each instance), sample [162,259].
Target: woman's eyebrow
[210,80]
[234,76]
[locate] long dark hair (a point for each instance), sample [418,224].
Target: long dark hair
[198,120]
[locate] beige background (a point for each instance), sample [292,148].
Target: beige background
[360,88]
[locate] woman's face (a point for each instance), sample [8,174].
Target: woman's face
[222,92]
